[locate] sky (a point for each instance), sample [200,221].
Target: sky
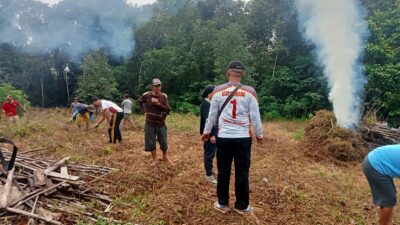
[139,2]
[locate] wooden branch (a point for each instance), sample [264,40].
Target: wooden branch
[36,194]
[66,177]
[34,204]
[28,214]
[33,150]
[56,165]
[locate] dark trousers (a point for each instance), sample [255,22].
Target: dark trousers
[115,132]
[209,153]
[239,151]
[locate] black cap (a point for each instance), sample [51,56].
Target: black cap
[236,64]
[209,89]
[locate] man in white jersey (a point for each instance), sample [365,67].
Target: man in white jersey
[113,114]
[234,137]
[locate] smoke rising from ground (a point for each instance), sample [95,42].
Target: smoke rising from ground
[337,29]
[74,26]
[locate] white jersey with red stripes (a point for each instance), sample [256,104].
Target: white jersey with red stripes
[114,108]
[239,114]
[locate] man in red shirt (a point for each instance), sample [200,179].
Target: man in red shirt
[10,109]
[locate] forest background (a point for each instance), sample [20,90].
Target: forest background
[188,44]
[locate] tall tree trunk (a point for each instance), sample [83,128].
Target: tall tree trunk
[66,85]
[276,59]
[42,90]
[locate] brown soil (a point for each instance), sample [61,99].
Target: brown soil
[300,190]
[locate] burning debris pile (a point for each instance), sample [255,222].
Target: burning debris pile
[323,139]
[47,190]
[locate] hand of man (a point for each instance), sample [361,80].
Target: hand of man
[155,101]
[213,139]
[205,137]
[96,125]
[260,139]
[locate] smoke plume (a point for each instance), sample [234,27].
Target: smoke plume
[337,28]
[73,26]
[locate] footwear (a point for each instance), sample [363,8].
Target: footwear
[211,179]
[248,210]
[222,208]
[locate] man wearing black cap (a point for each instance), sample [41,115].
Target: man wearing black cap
[210,145]
[234,107]
[154,105]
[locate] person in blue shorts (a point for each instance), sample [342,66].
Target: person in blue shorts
[380,166]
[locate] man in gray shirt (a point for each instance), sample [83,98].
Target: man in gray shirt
[127,107]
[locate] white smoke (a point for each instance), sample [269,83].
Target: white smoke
[72,26]
[337,28]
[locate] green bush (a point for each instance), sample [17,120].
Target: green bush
[22,129]
[185,107]
[20,96]
[272,115]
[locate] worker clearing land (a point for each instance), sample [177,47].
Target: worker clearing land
[85,114]
[113,114]
[10,109]
[380,166]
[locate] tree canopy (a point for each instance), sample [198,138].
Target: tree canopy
[188,44]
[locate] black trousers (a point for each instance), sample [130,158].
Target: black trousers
[209,154]
[239,151]
[115,132]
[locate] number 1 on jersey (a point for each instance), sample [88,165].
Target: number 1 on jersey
[233,102]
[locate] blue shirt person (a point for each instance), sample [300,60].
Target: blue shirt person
[380,166]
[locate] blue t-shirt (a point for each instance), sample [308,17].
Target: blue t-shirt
[75,106]
[386,160]
[81,108]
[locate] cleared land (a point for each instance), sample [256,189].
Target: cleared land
[300,190]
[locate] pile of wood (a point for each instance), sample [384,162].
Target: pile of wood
[46,191]
[375,135]
[324,140]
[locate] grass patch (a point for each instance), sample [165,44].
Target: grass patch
[298,134]
[22,129]
[187,123]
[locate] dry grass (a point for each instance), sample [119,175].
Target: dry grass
[299,191]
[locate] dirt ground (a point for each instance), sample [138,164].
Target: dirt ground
[299,190]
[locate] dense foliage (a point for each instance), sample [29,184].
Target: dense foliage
[188,43]
[8,90]
[97,79]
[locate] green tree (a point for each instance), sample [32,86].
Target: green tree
[19,95]
[97,79]
[230,43]
[382,57]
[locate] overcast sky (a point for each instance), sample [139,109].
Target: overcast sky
[139,2]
